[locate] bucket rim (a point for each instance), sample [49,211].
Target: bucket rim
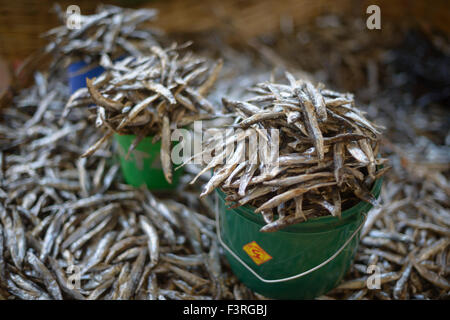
[126,135]
[80,68]
[248,213]
[84,60]
[131,137]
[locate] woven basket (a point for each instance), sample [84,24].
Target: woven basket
[21,22]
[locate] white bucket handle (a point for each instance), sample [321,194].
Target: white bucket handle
[299,275]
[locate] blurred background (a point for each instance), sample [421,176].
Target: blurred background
[21,22]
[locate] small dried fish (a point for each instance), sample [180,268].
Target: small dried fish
[153,239]
[309,162]
[165,149]
[135,97]
[109,31]
[46,276]
[41,180]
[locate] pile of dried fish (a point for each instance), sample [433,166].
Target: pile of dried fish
[112,30]
[70,229]
[351,65]
[405,242]
[53,205]
[149,96]
[326,153]
[404,251]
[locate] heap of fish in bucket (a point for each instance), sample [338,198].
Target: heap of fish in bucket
[326,156]
[405,242]
[112,30]
[149,96]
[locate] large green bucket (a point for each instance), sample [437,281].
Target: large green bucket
[143,167]
[301,261]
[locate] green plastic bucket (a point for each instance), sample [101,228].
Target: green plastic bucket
[143,167]
[301,261]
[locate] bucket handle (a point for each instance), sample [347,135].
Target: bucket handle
[299,275]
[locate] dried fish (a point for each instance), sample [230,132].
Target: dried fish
[139,99]
[46,276]
[165,149]
[189,277]
[111,30]
[153,239]
[310,161]
[413,217]
[2,258]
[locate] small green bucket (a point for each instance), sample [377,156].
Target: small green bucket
[143,167]
[302,261]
